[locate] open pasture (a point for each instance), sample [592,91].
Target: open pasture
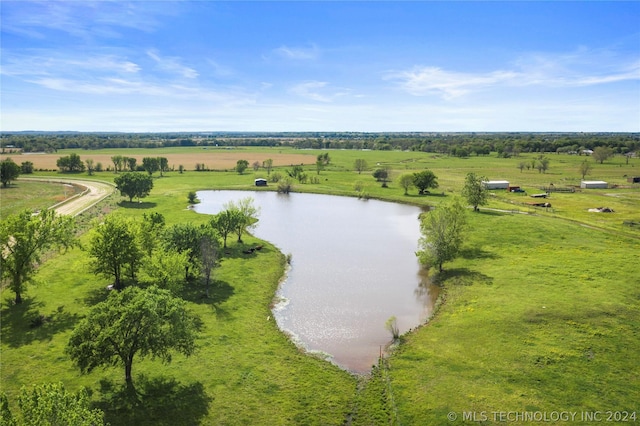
[540,313]
[212,158]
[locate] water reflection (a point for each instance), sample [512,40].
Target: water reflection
[353,267]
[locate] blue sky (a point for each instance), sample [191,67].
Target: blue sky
[145,66]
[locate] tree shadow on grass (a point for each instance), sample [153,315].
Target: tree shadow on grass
[477,253]
[23,324]
[219,292]
[136,205]
[97,295]
[153,401]
[486,212]
[243,250]
[461,277]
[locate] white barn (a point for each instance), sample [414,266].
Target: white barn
[496,184]
[594,184]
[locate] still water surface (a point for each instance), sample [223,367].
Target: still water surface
[353,266]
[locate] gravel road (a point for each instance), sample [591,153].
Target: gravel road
[95,192]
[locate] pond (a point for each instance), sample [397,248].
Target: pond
[353,267]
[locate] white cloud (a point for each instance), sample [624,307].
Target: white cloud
[42,62]
[300,53]
[317,91]
[83,19]
[172,64]
[421,81]
[220,70]
[579,69]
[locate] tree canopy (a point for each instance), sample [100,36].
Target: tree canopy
[9,171]
[241,166]
[115,249]
[360,164]
[25,237]
[442,234]
[247,216]
[51,404]
[474,191]
[225,223]
[70,163]
[602,153]
[151,164]
[405,181]
[133,184]
[143,322]
[424,180]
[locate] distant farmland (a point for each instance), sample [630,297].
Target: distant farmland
[213,159]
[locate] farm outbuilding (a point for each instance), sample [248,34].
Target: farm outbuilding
[261,182]
[594,184]
[496,184]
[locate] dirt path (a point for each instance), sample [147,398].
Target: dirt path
[94,192]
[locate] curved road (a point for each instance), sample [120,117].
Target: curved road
[95,191]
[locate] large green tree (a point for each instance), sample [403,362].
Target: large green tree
[163,163]
[241,166]
[424,180]
[133,184]
[360,164]
[225,223]
[118,161]
[70,163]
[165,268]
[442,234]
[51,404]
[268,165]
[144,322]
[151,164]
[9,171]
[602,153]
[248,215]
[474,191]
[187,238]
[406,182]
[25,237]
[116,249]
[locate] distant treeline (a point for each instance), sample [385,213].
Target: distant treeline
[459,144]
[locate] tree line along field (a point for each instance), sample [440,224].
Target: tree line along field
[540,313]
[211,158]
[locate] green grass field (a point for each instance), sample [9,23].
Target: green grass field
[540,313]
[23,194]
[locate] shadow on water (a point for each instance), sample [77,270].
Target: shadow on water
[153,401]
[427,292]
[23,324]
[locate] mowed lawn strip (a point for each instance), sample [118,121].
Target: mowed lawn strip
[538,316]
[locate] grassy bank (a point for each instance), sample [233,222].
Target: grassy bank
[539,316]
[245,371]
[541,312]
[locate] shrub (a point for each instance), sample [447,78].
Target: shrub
[285,186]
[392,326]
